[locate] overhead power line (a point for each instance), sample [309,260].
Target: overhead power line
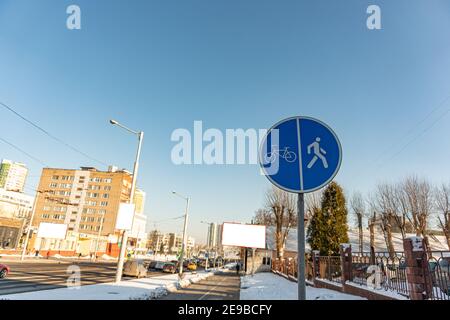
[24,152]
[420,134]
[393,147]
[51,135]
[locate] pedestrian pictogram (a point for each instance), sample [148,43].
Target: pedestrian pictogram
[319,153]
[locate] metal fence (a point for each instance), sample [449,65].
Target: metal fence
[386,271]
[288,267]
[330,268]
[439,266]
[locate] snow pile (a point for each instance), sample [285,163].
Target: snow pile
[268,286]
[106,257]
[137,289]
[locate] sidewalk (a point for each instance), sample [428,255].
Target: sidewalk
[137,289]
[268,286]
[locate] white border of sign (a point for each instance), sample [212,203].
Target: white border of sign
[264,140]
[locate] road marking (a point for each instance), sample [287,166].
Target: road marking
[201,298]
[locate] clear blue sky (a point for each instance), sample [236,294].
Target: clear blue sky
[160,65]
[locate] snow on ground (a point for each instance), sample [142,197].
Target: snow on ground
[383,292]
[268,286]
[137,289]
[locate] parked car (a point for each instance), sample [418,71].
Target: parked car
[135,268]
[4,270]
[152,265]
[192,266]
[170,268]
[160,265]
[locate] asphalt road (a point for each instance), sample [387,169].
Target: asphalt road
[44,275]
[222,286]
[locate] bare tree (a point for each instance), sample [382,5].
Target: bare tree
[372,220]
[358,208]
[386,205]
[401,216]
[264,217]
[420,203]
[442,200]
[313,203]
[282,206]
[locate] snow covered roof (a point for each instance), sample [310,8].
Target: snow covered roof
[291,240]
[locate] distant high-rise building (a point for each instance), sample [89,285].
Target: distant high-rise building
[211,237]
[13,175]
[214,237]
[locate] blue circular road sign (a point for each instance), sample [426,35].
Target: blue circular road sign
[300,154]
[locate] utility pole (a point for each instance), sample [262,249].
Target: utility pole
[184,244]
[133,189]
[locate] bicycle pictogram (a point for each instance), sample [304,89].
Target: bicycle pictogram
[285,154]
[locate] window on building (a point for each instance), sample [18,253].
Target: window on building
[55,178]
[266,261]
[106,195]
[104,204]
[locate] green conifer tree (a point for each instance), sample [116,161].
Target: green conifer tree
[328,227]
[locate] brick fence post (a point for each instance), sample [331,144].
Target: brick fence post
[346,262]
[316,263]
[417,270]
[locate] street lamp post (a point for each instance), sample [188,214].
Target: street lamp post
[133,188]
[184,244]
[208,252]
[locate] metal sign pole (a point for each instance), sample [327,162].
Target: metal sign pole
[301,246]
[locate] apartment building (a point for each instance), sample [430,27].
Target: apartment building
[168,243]
[87,201]
[15,210]
[13,175]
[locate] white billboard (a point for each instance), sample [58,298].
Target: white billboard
[244,235]
[125,216]
[52,230]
